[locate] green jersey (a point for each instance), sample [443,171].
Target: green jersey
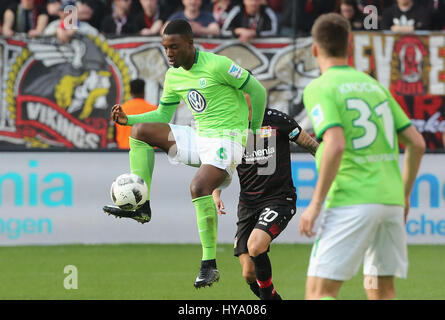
[212,91]
[370,117]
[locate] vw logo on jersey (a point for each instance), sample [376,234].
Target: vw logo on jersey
[196,100]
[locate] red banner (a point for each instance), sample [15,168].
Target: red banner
[60,95]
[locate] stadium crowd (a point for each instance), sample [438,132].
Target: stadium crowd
[243,19]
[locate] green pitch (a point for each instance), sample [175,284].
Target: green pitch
[148,271]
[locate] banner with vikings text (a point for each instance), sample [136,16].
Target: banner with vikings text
[57,95]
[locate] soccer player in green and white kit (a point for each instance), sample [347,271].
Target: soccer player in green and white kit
[212,86]
[367,198]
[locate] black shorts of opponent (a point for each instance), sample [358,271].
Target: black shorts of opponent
[271,217]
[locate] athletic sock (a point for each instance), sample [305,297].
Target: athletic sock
[142,160]
[254,288]
[263,270]
[207,219]
[208,263]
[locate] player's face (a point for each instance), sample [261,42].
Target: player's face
[179,50]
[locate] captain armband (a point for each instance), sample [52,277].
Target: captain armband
[294,134]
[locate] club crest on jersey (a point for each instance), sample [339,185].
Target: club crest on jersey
[202,83]
[235,71]
[266,132]
[196,100]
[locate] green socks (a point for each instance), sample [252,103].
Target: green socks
[207,218]
[142,160]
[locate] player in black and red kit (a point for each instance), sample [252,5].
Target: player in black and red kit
[267,200]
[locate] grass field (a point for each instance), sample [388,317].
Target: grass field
[154,271]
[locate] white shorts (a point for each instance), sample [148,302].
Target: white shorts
[193,150]
[370,233]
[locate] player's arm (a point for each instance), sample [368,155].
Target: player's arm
[335,143]
[296,134]
[326,121]
[218,202]
[164,113]
[414,150]
[258,96]
[414,146]
[307,142]
[303,139]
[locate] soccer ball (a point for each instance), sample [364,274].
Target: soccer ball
[129,191]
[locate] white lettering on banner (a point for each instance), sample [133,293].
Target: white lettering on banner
[50,117]
[437,86]
[383,48]
[431,124]
[361,41]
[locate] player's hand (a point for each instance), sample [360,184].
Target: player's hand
[220,207]
[307,220]
[118,115]
[218,202]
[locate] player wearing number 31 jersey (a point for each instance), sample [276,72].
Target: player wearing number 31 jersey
[359,179]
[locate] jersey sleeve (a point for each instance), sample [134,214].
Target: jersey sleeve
[321,108]
[169,97]
[229,73]
[164,113]
[286,125]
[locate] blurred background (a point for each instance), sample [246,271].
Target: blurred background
[64,64]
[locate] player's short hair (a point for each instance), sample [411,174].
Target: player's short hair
[137,87]
[331,33]
[179,26]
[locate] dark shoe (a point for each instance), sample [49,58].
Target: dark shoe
[269,293]
[141,215]
[207,275]
[276,296]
